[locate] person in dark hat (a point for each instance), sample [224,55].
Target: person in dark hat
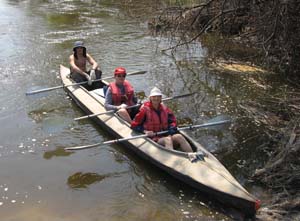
[78,65]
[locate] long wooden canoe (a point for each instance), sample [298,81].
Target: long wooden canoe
[207,175]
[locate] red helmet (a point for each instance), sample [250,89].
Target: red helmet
[120,70]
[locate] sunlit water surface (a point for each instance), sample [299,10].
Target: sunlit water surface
[40,181]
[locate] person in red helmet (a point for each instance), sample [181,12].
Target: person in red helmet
[120,95]
[78,65]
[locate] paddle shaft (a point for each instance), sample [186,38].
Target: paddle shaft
[132,138]
[145,135]
[129,107]
[165,131]
[80,83]
[204,125]
[106,112]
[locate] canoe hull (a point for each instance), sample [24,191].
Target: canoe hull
[208,176]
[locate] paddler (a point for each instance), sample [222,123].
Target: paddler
[154,117]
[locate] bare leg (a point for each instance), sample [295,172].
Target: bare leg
[124,114]
[166,141]
[184,145]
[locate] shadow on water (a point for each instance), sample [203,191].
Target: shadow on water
[59,152]
[83,180]
[51,120]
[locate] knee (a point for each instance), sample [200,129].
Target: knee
[168,140]
[122,111]
[98,73]
[177,137]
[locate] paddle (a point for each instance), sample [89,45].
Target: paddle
[112,111]
[144,135]
[80,83]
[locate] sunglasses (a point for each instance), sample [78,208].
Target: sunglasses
[121,75]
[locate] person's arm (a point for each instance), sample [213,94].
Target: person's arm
[108,101]
[92,62]
[75,68]
[138,121]
[172,124]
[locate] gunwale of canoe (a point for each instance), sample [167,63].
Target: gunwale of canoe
[209,175]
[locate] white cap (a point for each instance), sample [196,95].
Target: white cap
[155,92]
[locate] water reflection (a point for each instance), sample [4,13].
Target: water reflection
[83,180]
[152,185]
[52,118]
[59,152]
[66,19]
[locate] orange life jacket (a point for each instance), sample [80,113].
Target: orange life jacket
[119,98]
[153,121]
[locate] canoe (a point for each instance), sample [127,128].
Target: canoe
[205,174]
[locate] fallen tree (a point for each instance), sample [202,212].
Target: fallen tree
[271,27]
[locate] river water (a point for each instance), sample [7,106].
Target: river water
[40,181]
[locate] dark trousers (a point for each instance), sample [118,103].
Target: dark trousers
[80,78]
[133,112]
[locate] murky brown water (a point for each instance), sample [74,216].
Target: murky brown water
[39,181]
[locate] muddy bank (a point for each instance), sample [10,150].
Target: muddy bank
[267,49]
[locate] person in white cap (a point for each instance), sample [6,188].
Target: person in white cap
[154,117]
[78,62]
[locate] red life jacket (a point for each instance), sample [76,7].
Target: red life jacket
[119,98]
[154,122]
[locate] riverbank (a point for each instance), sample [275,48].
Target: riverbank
[280,117]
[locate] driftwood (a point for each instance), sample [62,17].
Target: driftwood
[271,26]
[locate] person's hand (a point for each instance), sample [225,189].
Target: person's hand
[172,130]
[122,106]
[88,77]
[93,74]
[149,133]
